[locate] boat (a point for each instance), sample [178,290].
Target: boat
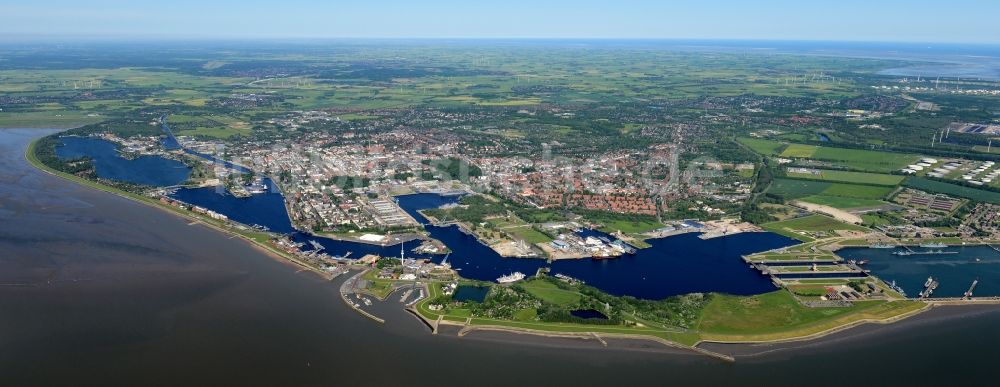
[929,287]
[881,245]
[316,245]
[512,277]
[932,252]
[863,262]
[898,289]
[935,245]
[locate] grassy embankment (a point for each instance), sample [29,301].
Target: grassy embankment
[774,316]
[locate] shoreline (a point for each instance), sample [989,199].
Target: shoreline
[278,256]
[936,314]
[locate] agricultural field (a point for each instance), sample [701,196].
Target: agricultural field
[764,147]
[799,151]
[933,186]
[851,177]
[795,189]
[860,159]
[48,119]
[841,202]
[865,160]
[209,125]
[858,191]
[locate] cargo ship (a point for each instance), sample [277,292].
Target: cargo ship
[932,252]
[936,245]
[512,277]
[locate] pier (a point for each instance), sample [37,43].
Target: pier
[351,284]
[968,293]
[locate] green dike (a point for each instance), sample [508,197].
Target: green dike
[259,239]
[777,316]
[772,316]
[434,289]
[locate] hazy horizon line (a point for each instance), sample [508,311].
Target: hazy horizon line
[233,38]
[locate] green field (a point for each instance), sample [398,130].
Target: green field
[764,147]
[929,185]
[810,223]
[851,177]
[842,202]
[529,234]
[858,191]
[777,315]
[795,189]
[549,292]
[212,125]
[860,159]
[47,119]
[799,151]
[769,312]
[866,160]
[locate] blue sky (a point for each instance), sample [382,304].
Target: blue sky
[968,21]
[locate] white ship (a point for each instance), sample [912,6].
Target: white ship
[512,277]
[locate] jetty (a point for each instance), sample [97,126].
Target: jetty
[968,293]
